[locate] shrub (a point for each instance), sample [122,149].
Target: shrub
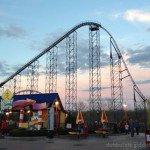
[22,132]
[63,131]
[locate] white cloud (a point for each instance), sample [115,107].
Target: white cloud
[98,13]
[137,15]
[133,15]
[116,15]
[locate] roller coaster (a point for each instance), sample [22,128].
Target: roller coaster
[116,71]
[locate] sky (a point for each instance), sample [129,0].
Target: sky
[28,27]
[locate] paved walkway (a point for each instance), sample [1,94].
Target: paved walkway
[69,142]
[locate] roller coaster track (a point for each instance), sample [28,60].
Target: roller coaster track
[61,39]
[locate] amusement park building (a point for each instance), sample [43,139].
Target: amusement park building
[50,100]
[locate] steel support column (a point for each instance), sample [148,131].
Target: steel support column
[71,73]
[140,107]
[32,77]
[116,81]
[51,71]
[94,73]
[15,84]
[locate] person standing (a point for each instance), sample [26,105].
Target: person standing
[132,125]
[127,128]
[10,123]
[3,127]
[137,127]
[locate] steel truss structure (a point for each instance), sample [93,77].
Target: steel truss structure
[139,106]
[94,73]
[116,60]
[71,73]
[116,79]
[32,77]
[15,84]
[51,71]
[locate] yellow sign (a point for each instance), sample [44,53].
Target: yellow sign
[7,95]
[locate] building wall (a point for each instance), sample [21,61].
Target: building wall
[61,116]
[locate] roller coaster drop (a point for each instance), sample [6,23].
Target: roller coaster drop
[116,60]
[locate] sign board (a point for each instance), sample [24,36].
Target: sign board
[68,125]
[7,100]
[148,137]
[35,116]
[28,107]
[50,119]
[7,95]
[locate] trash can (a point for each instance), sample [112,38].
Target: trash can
[147,137]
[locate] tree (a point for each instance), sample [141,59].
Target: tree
[82,106]
[148,112]
[71,119]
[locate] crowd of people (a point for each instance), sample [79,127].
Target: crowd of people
[130,127]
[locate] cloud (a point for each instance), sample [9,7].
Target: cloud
[47,41]
[139,57]
[4,69]
[98,13]
[137,15]
[6,16]
[116,15]
[12,31]
[148,30]
[133,15]
[7,70]
[143,82]
[102,88]
[82,51]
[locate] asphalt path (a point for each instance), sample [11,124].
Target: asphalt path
[71,142]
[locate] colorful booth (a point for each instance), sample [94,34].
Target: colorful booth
[36,105]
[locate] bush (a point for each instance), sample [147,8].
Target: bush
[63,131]
[22,132]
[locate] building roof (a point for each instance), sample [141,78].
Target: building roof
[39,98]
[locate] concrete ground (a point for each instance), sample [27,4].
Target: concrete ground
[70,142]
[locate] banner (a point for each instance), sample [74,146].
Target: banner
[79,119]
[7,100]
[50,119]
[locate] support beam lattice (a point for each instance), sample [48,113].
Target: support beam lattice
[51,71]
[32,77]
[94,68]
[116,79]
[71,73]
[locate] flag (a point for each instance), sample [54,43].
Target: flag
[104,118]
[79,118]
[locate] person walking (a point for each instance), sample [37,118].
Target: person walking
[132,125]
[137,127]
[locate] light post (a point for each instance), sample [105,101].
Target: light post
[56,103]
[125,106]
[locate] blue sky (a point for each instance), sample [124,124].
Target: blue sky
[27,27]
